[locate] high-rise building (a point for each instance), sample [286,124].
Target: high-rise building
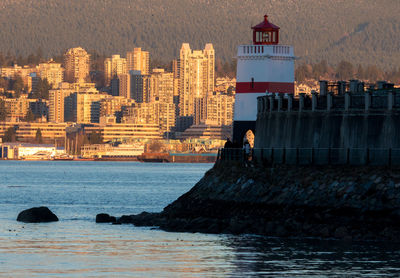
[159,113]
[139,86]
[56,105]
[166,115]
[138,60]
[86,106]
[114,105]
[124,85]
[77,64]
[220,108]
[61,104]
[114,86]
[114,66]
[51,71]
[196,70]
[161,86]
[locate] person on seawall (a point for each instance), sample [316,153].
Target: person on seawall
[228,144]
[246,148]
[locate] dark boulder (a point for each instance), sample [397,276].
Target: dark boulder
[125,219]
[105,218]
[37,215]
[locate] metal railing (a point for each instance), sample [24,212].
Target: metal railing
[231,154]
[316,156]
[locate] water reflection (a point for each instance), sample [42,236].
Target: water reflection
[272,257]
[79,248]
[76,246]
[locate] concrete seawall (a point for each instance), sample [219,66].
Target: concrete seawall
[328,130]
[323,130]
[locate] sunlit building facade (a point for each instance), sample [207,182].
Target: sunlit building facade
[51,71]
[113,67]
[138,60]
[196,72]
[77,65]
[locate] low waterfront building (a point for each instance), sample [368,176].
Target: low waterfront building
[26,132]
[125,132]
[110,151]
[207,131]
[29,151]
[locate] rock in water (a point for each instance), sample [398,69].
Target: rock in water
[105,218]
[37,215]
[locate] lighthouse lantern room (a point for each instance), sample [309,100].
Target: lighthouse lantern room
[265,33]
[262,67]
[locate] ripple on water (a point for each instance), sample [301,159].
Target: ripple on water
[76,246]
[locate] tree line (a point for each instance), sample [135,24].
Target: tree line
[345,70]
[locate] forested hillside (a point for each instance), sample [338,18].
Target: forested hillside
[360,31]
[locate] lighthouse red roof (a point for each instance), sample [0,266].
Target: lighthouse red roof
[265,24]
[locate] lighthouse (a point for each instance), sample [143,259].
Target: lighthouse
[262,67]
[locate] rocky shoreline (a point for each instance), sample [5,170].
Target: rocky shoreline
[348,203]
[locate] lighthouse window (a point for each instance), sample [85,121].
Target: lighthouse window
[252,83]
[265,37]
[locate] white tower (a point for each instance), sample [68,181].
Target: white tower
[262,67]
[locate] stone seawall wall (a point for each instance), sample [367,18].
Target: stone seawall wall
[352,203]
[324,130]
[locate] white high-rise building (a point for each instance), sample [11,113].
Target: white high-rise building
[196,72]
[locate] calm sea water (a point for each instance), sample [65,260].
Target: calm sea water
[76,246]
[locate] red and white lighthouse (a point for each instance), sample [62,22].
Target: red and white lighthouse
[262,67]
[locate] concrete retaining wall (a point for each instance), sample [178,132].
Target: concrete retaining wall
[365,134]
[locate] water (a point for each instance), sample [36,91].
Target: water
[77,247]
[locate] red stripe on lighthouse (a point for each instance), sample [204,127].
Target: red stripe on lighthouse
[261,87]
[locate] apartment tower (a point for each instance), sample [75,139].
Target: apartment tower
[138,60]
[196,72]
[113,67]
[77,64]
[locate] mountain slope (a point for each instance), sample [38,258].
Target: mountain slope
[361,31]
